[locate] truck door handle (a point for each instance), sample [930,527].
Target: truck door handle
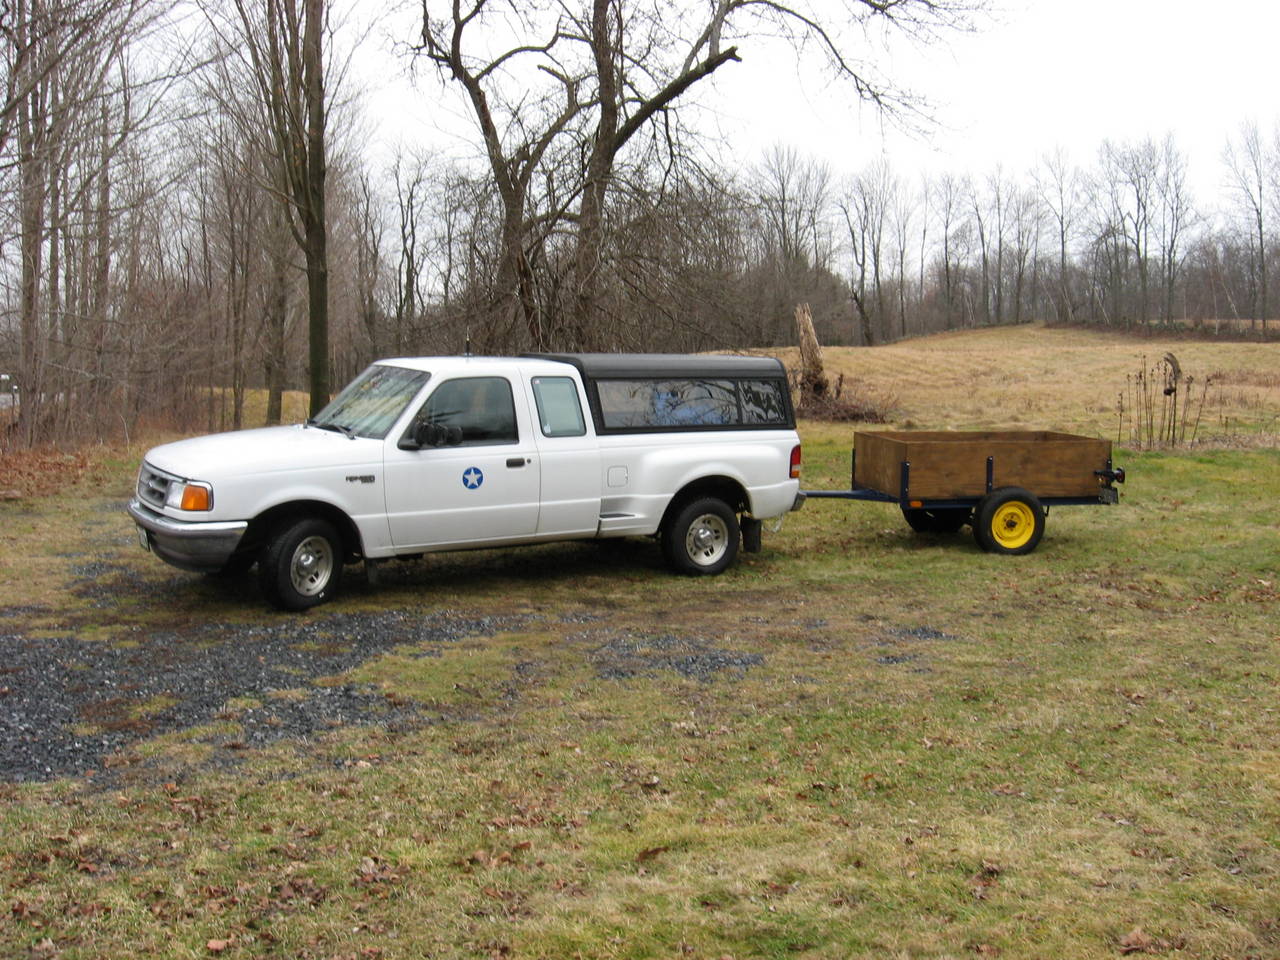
[517,461]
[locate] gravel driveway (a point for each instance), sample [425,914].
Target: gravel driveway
[67,704]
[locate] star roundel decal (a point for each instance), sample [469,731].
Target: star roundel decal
[472,477]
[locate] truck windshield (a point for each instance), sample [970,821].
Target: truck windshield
[371,404]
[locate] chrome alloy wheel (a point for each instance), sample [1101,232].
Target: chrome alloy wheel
[312,566]
[707,539]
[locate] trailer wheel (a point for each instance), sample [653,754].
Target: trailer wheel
[1009,521]
[701,539]
[939,520]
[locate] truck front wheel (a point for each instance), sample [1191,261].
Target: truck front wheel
[302,564]
[701,538]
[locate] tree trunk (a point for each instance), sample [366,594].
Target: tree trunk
[315,236]
[813,377]
[31,178]
[275,322]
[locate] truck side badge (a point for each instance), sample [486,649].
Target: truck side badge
[472,478]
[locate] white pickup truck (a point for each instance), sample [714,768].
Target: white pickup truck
[448,453]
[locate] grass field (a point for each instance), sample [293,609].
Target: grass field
[861,742]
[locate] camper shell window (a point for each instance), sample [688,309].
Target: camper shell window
[631,393]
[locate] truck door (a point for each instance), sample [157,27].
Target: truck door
[480,484]
[570,458]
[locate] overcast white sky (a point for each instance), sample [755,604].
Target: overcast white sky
[1044,73]
[1037,74]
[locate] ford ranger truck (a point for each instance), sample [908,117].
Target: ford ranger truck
[427,454]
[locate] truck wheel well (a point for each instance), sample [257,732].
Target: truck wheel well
[722,488]
[260,527]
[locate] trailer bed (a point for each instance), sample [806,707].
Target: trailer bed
[952,465]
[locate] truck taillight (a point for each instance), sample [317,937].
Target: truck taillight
[795,462]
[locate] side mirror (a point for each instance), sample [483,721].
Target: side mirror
[421,434]
[425,434]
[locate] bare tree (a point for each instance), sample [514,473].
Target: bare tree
[903,216]
[410,180]
[866,209]
[612,68]
[947,201]
[73,98]
[989,209]
[1026,218]
[1247,162]
[1059,186]
[794,196]
[1174,215]
[1128,175]
[282,44]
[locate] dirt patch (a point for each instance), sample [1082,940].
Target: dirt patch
[622,655]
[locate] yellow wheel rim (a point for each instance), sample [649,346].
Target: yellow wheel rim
[1013,525]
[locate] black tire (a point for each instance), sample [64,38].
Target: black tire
[1008,521]
[701,538]
[302,565]
[937,520]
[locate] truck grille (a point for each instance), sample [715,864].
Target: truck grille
[153,485]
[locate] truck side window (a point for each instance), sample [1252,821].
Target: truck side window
[481,407]
[762,402]
[676,403]
[559,411]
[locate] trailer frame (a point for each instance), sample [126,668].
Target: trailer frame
[1006,519]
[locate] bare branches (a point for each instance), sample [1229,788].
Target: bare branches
[616,68]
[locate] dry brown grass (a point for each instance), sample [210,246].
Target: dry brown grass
[1046,378]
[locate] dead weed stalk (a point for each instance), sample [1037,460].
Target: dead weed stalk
[1162,406]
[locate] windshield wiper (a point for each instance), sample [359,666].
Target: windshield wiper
[336,427]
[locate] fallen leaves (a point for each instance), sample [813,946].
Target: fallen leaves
[34,473]
[1138,940]
[1008,790]
[486,860]
[372,870]
[980,883]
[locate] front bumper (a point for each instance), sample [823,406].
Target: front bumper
[190,545]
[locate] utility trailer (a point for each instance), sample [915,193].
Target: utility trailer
[1002,483]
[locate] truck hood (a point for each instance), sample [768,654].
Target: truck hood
[267,450]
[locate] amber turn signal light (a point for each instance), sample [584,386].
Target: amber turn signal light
[195,498]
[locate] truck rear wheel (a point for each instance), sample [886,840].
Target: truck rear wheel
[302,564]
[701,538]
[1008,520]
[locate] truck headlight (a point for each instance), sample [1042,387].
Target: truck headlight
[190,495]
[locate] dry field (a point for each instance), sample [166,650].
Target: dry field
[858,743]
[1032,377]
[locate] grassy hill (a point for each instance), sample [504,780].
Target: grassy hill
[1033,377]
